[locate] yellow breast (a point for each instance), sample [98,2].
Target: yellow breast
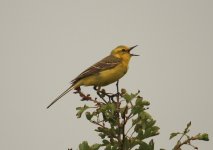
[112,75]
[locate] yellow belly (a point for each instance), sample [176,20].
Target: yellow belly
[106,77]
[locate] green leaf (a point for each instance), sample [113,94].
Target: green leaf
[145,103]
[144,146]
[114,147]
[173,135]
[136,110]
[123,91]
[89,115]
[187,128]
[155,130]
[204,137]
[127,97]
[189,124]
[140,134]
[150,123]
[95,146]
[81,110]
[151,144]
[102,135]
[139,101]
[84,146]
[105,142]
[135,121]
[108,147]
[145,115]
[110,107]
[138,127]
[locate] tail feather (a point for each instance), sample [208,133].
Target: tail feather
[60,96]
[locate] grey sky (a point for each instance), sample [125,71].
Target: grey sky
[45,44]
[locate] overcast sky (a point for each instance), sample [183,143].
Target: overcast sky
[47,43]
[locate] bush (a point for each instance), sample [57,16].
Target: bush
[123,122]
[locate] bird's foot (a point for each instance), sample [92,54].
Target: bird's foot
[78,89]
[97,88]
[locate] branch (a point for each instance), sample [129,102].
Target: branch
[87,97]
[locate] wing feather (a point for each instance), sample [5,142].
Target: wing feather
[104,64]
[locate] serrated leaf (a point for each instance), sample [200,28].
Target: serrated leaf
[105,142]
[84,146]
[135,121]
[127,97]
[150,123]
[114,148]
[151,144]
[145,115]
[187,128]
[145,103]
[173,135]
[138,101]
[204,137]
[81,110]
[102,135]
[136,110]
[108,147]
[95,146]
[144,146]
[189,124]
[138,127]
[155,129]
[89,115]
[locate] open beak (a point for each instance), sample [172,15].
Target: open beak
[131,48]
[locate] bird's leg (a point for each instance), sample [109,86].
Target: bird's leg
[117,85]
[117,94]
[97,88]
[100,93]
[78,89]
[111,95]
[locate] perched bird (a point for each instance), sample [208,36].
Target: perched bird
[104,72]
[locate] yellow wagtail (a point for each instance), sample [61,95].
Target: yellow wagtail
[104,72]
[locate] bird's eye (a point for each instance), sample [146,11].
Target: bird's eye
[123,50]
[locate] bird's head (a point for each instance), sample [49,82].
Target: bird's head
[123,52]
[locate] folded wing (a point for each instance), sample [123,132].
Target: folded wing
[105,64]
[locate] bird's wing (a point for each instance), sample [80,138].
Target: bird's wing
[104,64]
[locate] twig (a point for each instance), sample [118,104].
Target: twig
[99,92]
[86,97]
[129,129]
[186,142]
[124,124]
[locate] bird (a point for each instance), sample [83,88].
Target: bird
[106,71]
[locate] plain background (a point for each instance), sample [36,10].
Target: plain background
[46,43]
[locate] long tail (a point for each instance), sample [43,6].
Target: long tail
[60,96]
